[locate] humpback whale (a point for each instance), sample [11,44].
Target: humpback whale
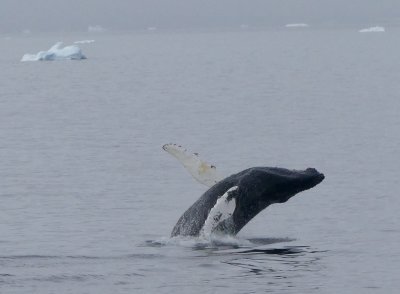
[231,202]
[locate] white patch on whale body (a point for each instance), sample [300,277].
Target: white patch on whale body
[202,171]
[221,211]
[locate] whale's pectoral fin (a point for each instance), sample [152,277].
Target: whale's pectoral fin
[202,171]
[221,211]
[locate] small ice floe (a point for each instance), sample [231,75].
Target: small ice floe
[84,42]
[96,29]
[296,25]
[152,29]
[71,52]
[373,30]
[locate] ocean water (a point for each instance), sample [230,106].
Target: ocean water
[88,198]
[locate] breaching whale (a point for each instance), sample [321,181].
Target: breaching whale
[233,201]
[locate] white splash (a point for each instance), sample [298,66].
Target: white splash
[202,171]
[221,211]
[71,52]
[84,42]
[214,241]
[373,30]
[297,25]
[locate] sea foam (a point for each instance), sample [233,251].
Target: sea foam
[71,52]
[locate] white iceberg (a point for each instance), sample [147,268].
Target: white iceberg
[297,25]
[84,42]
[96,29]
[71,52]
[373,30]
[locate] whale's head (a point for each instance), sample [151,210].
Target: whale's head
[276,185]
[260,187]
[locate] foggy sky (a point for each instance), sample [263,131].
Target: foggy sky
[77,15]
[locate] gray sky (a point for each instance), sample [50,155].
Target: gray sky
[77,15]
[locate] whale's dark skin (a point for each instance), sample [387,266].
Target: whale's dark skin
[258,187]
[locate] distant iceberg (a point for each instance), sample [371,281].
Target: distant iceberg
[84,42]
[373,30]
[96,29]
[56,53]
[297,25]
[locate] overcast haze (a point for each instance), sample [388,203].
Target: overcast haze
[58,15]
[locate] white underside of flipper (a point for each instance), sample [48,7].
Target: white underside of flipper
[202,171]
[221,211]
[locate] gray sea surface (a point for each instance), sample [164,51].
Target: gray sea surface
[88,198]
